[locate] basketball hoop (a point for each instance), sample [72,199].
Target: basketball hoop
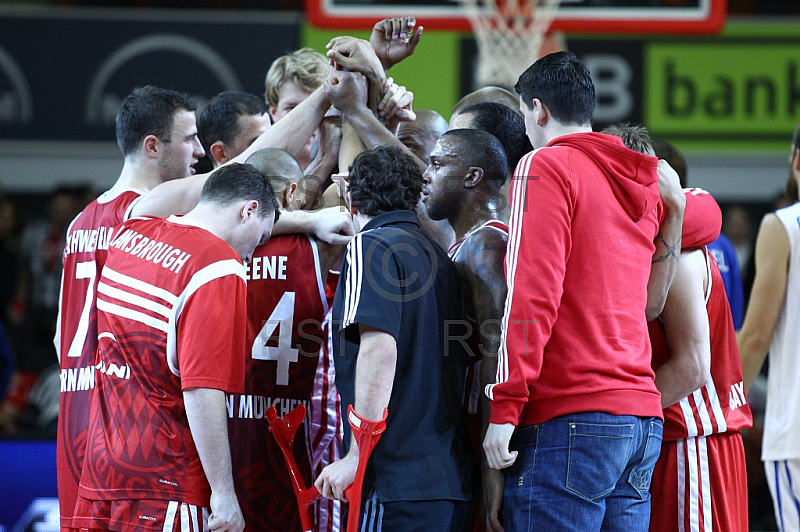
[509,34]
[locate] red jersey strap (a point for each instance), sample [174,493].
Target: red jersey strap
[497,224]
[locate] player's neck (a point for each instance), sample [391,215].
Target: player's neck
[136,176]
[360,220]
[473,215]
[210,217]
[555,130]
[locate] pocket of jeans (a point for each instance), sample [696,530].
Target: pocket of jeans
[642,474]
[598,454]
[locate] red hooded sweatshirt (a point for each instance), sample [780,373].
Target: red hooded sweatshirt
[583,221]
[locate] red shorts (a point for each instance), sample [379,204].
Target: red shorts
[139,516]
[700,485]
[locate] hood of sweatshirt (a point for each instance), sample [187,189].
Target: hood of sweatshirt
[633,176]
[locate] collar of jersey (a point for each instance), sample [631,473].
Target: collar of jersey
[183,220]
[389,218]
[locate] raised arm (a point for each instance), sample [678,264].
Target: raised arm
[356,55]
[347,92]
[767,296]
[291,134]
[395,39]
[332,225]
[685,320]
[668,240]
[208,422]
[318,173]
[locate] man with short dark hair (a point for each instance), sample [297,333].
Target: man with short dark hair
[396,295]
[230,123]
[501,121]
[508,126]
[575,413]
[171,331]
[157,135]
[462,185]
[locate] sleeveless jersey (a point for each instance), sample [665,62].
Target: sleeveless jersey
[472,393]
[171,315]
[85,253]
[287,314]
[472,384]
[782,418]
[720,405]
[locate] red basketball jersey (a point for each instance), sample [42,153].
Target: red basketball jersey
[720,405]
[287,332]
[171,307]
[76,335]
[473,386]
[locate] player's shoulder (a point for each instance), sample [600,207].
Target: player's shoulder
[491,234]
[485,245]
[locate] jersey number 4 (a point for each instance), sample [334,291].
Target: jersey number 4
[282,316]
[83,270]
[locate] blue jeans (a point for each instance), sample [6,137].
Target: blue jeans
[583,472]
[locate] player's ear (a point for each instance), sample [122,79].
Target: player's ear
[353,210]
[473,177]
[218,152]
[288,194]
[151,146]
[248,210]
[540,112]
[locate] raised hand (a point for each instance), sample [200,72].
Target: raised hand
[395,107]
[669,184]
[347,91]
[394,39]
[355,55]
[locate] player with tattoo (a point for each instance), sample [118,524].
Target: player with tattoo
[462,185]
[574,388]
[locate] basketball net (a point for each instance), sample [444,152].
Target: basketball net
[509,34]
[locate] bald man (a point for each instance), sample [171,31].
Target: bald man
[486,94]
[420,135]
[287,340]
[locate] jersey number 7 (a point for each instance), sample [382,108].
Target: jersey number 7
[83,270]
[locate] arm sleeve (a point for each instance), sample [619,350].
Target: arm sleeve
[211,336]
[373,286]
[538,248]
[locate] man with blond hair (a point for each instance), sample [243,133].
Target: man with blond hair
[290,80]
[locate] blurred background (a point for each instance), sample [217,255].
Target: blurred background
[719,80]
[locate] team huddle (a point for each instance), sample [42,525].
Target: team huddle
[531,301]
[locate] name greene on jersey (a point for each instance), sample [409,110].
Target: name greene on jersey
[266,268]
[88,240]
[140,246]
